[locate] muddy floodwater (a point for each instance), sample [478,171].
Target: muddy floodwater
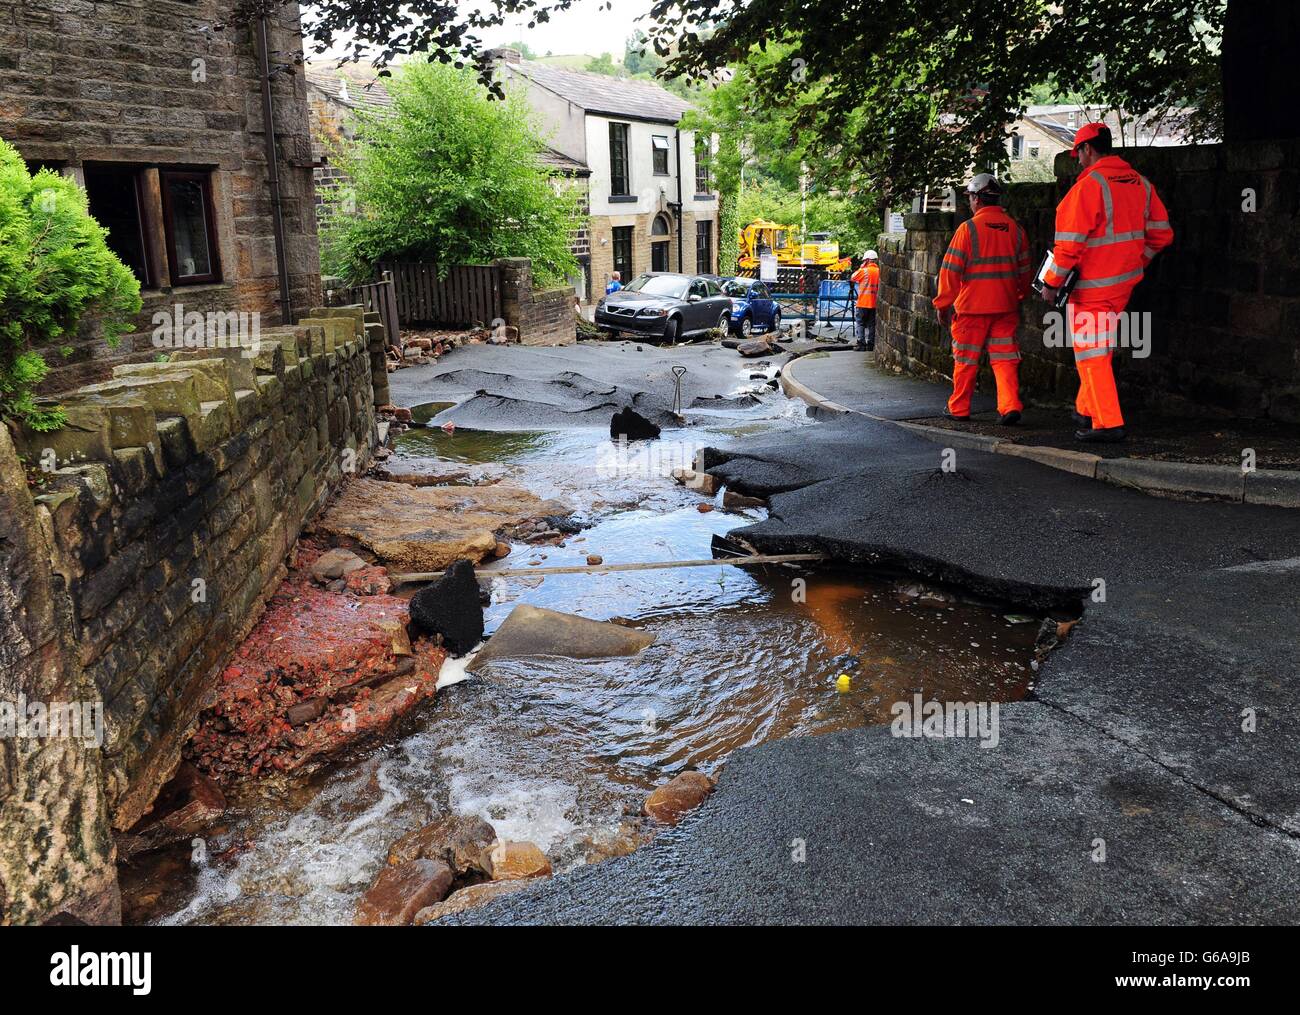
[562,752]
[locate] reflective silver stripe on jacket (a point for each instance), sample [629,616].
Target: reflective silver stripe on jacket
[1101,283]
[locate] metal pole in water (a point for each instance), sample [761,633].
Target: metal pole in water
[653,565]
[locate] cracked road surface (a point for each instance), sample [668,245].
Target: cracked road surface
[1154,778]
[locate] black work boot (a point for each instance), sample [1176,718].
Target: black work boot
[1010,418]
[960,419]
[1081,421]
[1104,435]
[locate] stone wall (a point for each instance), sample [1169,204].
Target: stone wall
[543,317]
[143,84]
[160,524]
[1224,299]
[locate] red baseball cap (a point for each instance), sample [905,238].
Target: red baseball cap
[1086,133]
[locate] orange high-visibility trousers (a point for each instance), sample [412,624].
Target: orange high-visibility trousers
[1094,331]
[970,332]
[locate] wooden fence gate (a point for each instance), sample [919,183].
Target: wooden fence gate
[469,294]
[373,296]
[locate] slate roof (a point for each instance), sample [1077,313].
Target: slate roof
[562,163]
[366,90]
[602,94]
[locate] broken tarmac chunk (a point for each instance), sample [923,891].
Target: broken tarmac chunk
[450,609]
[629,423]
[754,347]
[533,631]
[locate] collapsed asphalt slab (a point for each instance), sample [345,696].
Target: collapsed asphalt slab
[530,387]
[868,491]
[1127,791]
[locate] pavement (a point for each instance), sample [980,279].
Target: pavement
[853,380]
[1252,461]
[1152,777]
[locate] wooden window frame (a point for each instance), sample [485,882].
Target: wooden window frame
[204,178]
[703,167]
[623,132]
[625,276]
[144,215]
[704,244]
[656,152]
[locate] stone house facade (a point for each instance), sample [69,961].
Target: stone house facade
[160,118]
[653,204]
[336,91]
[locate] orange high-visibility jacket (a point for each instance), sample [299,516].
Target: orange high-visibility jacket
[868,280]
[986,269]
[1109,226]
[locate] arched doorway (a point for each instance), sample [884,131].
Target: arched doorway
[660,233]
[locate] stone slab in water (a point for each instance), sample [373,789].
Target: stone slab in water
[533,631]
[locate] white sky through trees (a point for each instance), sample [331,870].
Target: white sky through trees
[586,27]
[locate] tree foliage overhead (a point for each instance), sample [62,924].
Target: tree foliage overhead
[764,163]
[55,268]
[447,175]
[909,89]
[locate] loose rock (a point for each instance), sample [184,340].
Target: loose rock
[334,564]
[533,631]
[468,898]
[186,805]
[733,501]
[402,891]
[515,861]
[458,840]
[425,528]
[669,802]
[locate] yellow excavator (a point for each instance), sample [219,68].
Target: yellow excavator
[762,237]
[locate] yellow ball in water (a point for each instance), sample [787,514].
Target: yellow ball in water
[843,683]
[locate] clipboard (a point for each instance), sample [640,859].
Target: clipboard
[1063,290]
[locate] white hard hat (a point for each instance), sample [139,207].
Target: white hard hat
[984,183]
[870,255]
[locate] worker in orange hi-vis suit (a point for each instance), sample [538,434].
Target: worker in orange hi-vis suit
[867,280]
[1108,227]
[983,279]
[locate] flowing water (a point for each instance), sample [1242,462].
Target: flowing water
[562,752]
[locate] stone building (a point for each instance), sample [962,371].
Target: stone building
[160,117]
[337,91]
[653,204]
